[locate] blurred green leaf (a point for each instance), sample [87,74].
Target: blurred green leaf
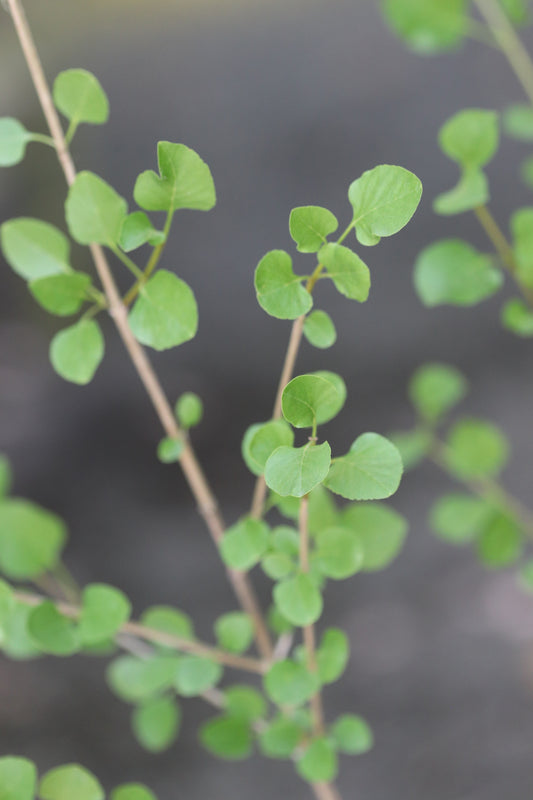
[156,723]
[234,631]
[298,599]
[94,211]
[382,531]
[244,543]
[69,782]
[517,317]
[290,684]
[452,272]
[352,735]
[459,518]
[227,737]
[61,294]
[195,674]
[52,632]
[77,351]
[35,249]
[435,389]
[104,609]
[318,764]
[18,778]
[476,449]
[79,96]
[31,539]
[428,27]
[319,330]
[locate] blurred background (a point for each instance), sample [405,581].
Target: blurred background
[288,102]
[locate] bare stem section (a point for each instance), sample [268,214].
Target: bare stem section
[207,504]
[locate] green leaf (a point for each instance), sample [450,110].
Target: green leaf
[137,230]
[184,181]
[476,449]
[459,518]
[13,140]
[470,137]
[227,737]
[452,272]
[322,510]
[298,600]
[104,610]
[352,735]
[280,738]
[94,211]
[245,703]
[168,620]
[244,543]
[310,400]
[501,542]
[428,27]
[7,606]
[339,553]
[319,330]
[471,191]
[381,530]
[371,470]
[526,171]
[286,540]
[348,272]
[52,632]
[296,470]
[61,294]
[413,446]
[435,389]
[383,199]
[5,476]
[279,290]
[189,410]
[132,791]
[34,249]
[332,655]
[80,97]
[156,723]
[521,222]
[136,679]
[277,621]
[290,684]
[517,11]
[18,778]
[518,122]
[234,631]
[169,450]
[76,351]
[261,440]
[31,539]
[15,640]
[195,674]
[517,317]
[310,226]
[68,782]
[318,764]
[165,314]
[278,565]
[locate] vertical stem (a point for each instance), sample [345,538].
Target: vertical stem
[196,479]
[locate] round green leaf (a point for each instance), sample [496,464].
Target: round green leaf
[279,290]
[371,470]
[137,230]
[290,684]
[339,553]
[195,674]
[168,620]
[31,539]
[454,273]
[518,122]
[234,631]
[68,782]
[61,294]
[244,543]
[261,440]
[184,181]
[471,191]
[298,600]
[458,517]
[381,530]
[428,27]
[319,763]
[352,735]
[278,565]
[413,446]
[227,737]
[136,679]
[332,655]
[169,450]
[15,639]
[80,97]
[155,723]
[280,738]
[434,389]
[76,351]
[13,140]
[94,211]
[296,470]
[310,400]
[517,11]
[52,632]
[471,137]
[517,317]
[165,314]
[245,703]
[319,330]
[348,272]
[18,778]
[189,410]
[476,449]
[501,542]
[104,610]
[383,199]
[277,621]
[132,791]
[34,249]
[310,226]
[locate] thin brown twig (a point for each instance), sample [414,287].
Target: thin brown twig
[207,505]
